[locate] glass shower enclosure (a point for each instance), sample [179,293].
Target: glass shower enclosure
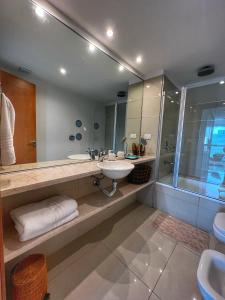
[198,162]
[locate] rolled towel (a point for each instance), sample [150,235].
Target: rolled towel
[37,218]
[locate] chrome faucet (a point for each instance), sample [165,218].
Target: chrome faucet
[91,152]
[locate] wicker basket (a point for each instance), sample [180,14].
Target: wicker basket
[29,278]
[140,174]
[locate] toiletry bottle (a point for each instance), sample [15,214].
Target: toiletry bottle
[111,155]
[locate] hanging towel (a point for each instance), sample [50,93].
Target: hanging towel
[37,218]
[7,124]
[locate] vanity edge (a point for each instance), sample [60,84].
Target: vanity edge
[27,180]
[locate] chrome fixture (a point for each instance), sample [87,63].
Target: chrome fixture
[92,153]
[101,155]
[97,182]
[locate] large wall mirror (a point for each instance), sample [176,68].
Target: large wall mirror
[68,95]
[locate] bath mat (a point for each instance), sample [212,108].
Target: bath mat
[194,238]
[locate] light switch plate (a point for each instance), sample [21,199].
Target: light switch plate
[133,136]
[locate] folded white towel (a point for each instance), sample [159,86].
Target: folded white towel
[25,235]
[7,124]
[39,217]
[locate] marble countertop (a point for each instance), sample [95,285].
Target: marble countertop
[22,181]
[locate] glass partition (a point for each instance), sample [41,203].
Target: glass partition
[202,156]
[169,131]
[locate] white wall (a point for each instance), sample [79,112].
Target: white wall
[57,111]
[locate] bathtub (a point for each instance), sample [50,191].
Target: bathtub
[196,186]
[192,201]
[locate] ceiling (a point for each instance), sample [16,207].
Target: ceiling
[45,45]
[176,36]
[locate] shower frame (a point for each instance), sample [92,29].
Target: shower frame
[184,90]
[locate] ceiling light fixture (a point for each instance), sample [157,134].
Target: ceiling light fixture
[39,12]
[109,33]
[92,48]
[222,82]
[176,92]
[121,68]
[139,59]
[147,86]
[63,71]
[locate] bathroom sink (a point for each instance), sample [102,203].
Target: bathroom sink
[115,169]
[79,156]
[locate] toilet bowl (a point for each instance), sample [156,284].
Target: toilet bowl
[211,275]
[219,226]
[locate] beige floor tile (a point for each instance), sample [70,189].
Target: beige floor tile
[118,228]
[153,297]
[178,280]
[98,275]
[145,255]
[69,254]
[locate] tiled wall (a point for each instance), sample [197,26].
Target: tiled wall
[151,111]
[193,209]
[133,114]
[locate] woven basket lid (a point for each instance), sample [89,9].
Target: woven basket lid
[29,269]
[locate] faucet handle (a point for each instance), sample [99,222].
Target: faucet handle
[101,155]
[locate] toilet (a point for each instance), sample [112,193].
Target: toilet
[219,226]
[211,268]
[211,275]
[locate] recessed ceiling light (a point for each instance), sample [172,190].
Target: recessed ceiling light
[147,86]
[39,12]
[139,59]
[92,48]
[62,71]
[171,101]
[222,82]
[176,92]
[109,33]
[121,68]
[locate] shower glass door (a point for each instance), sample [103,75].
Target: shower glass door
[202,153]
[170,118]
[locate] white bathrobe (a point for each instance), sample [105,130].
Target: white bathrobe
[7,124]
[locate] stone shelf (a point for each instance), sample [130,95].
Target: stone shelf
[88,206]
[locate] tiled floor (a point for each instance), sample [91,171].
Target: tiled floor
[126,257]
[194,238]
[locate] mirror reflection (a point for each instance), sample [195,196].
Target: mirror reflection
[70,98]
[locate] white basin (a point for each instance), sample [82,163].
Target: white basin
[115,169]
[211,275]
[219,226]
[79,156]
